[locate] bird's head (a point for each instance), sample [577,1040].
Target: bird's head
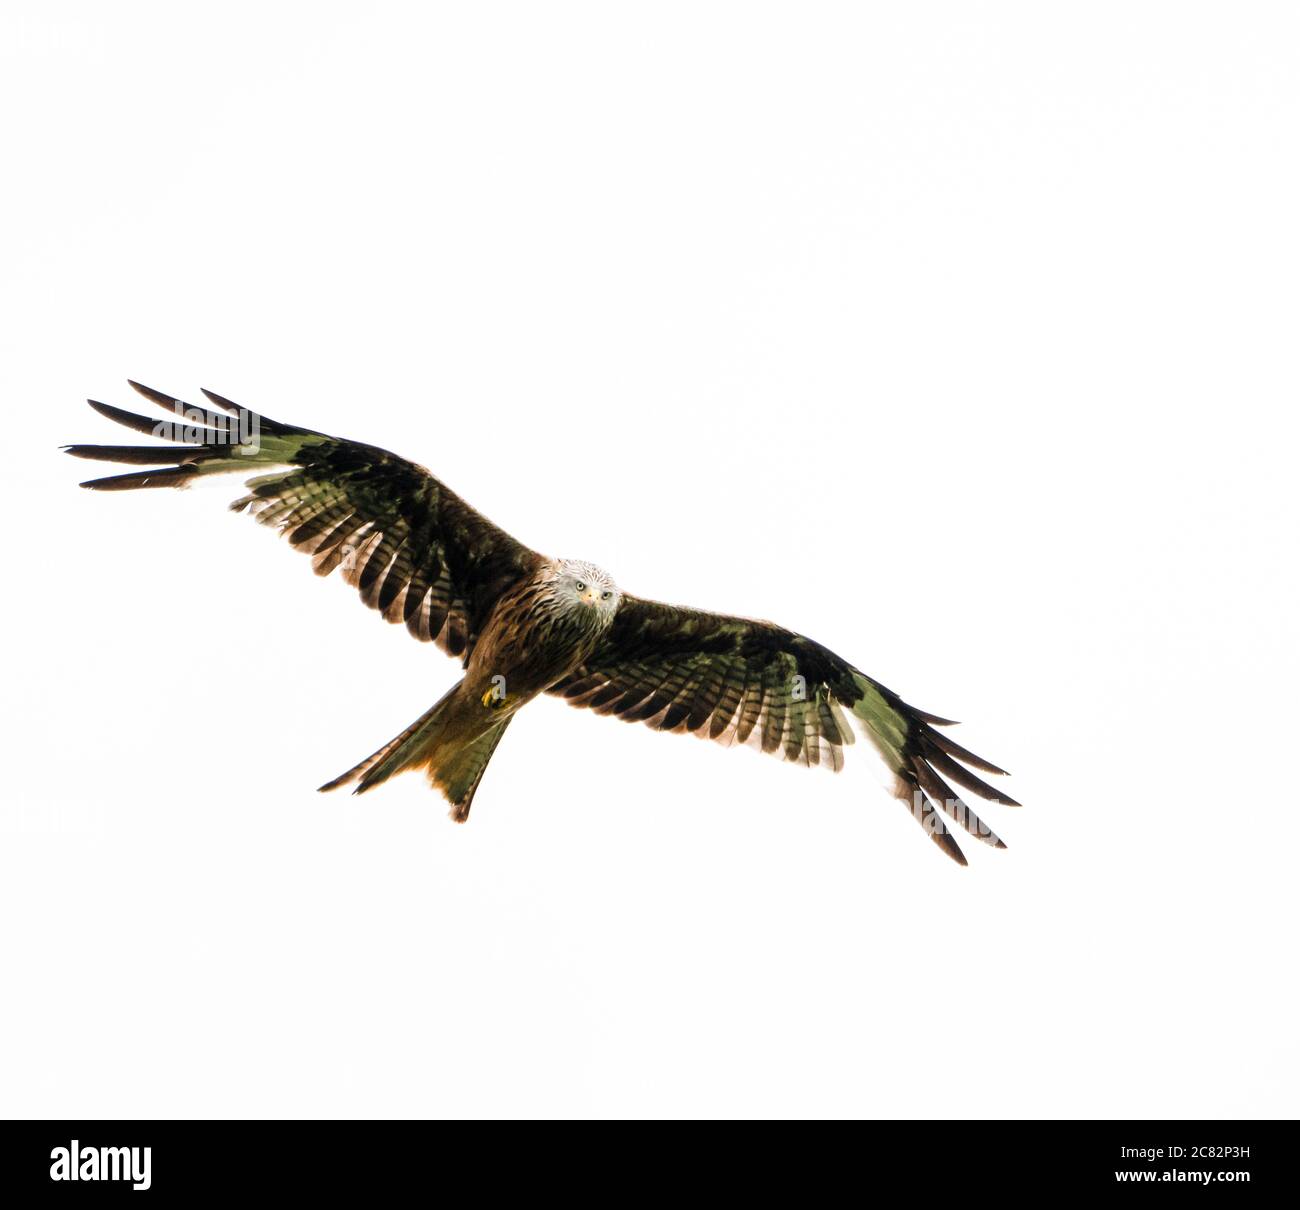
[587,585]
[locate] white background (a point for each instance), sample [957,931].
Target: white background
[962,338]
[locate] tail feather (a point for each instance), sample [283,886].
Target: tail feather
[458,774]
[448,741]
[407,750]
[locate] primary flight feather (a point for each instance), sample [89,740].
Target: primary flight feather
[525,624]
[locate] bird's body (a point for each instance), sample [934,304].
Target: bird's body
[543,628]
[525,624]
[540,631]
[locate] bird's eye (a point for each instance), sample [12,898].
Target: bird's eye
[580,586]
[604,596]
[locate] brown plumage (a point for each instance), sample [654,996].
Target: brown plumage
[525,624]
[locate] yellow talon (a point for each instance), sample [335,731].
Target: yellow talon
[494,699]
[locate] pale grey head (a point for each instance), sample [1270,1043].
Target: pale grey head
[584,584]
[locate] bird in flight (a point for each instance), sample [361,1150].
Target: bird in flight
[524,624]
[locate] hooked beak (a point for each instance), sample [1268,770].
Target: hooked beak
[590,598]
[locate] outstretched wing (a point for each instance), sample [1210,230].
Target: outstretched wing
[413,548]
[739,681]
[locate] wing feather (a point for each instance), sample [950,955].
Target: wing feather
[734,680]
[392,529]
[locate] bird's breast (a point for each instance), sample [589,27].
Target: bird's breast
[533,640]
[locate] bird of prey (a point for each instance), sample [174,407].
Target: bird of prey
[525,624]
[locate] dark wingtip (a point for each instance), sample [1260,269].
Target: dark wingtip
[220,400]
[948,843]
[167,401]
[130,420]
[172,476]
[965,755]
[144,455]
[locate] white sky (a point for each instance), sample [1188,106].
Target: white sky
[961,338]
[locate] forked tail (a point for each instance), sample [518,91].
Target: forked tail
[457,771]
[449,741]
